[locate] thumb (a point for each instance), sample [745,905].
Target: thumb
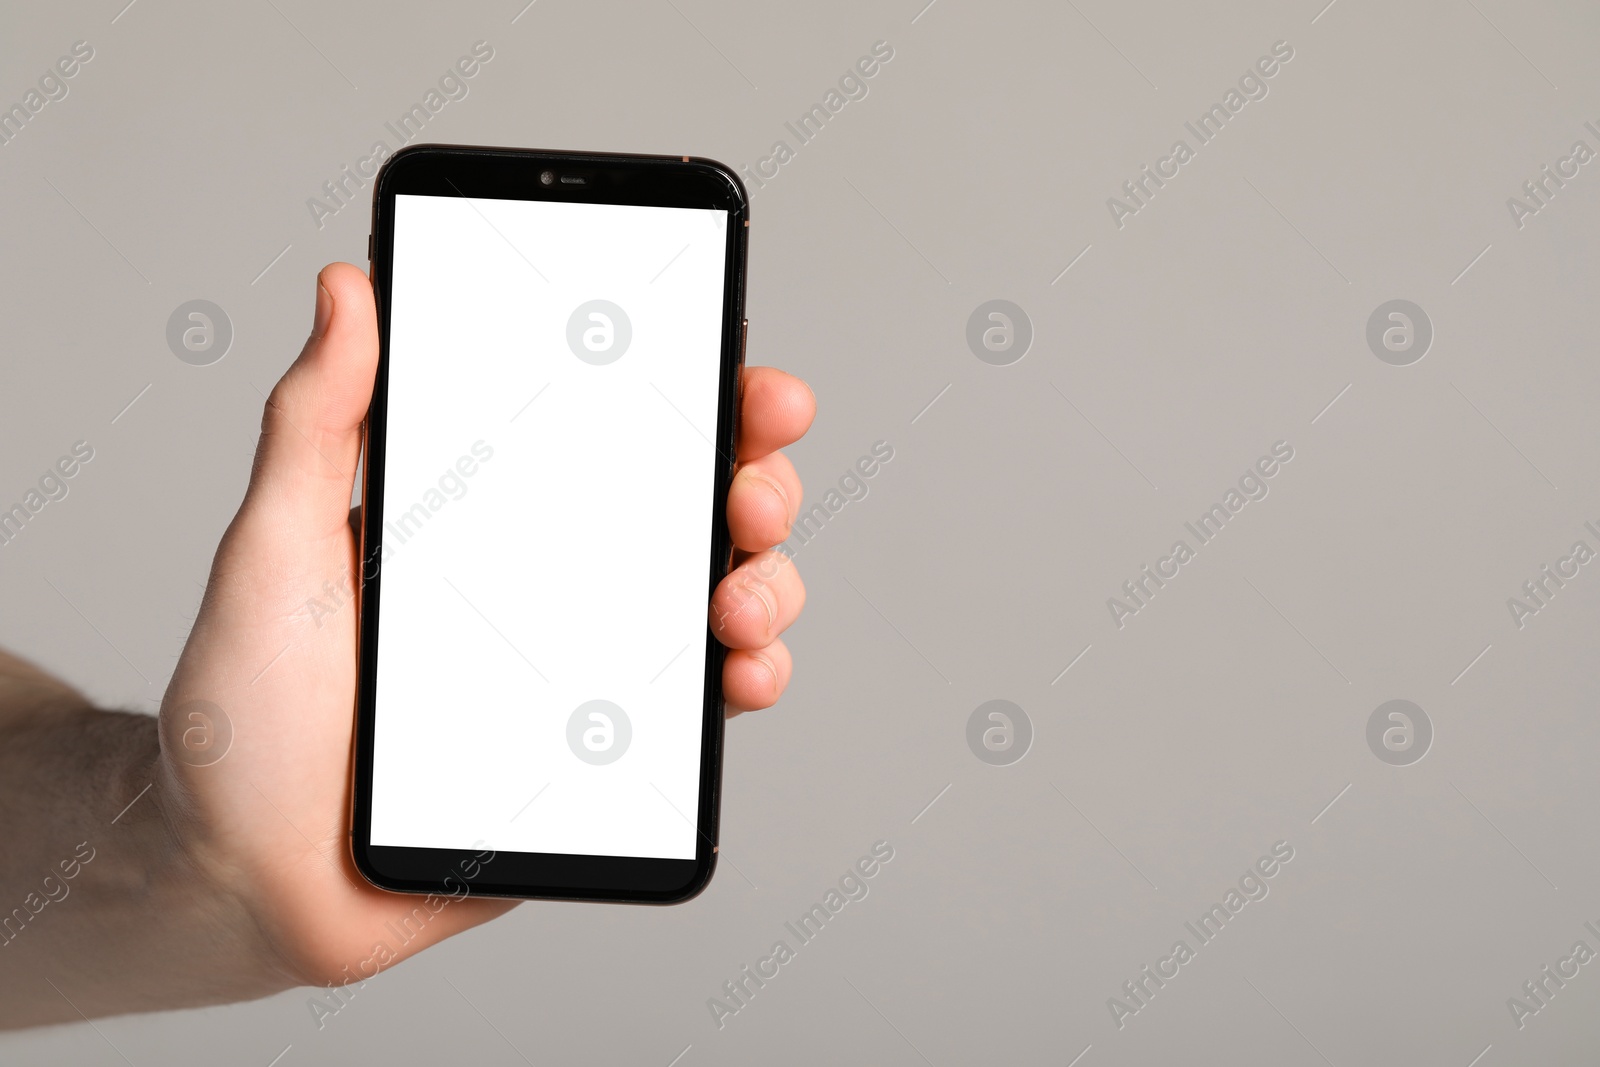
[305,462]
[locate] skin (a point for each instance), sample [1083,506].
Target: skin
[232,881]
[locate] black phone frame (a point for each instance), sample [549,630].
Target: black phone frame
[515,174]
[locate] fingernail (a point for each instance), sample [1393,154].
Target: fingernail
[771,668]
[324,310]
[759,592]
[777,489]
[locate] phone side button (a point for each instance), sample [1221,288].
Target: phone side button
[738,392]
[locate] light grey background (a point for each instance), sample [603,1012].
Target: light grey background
[1223,317]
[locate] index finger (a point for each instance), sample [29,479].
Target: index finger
[778,409]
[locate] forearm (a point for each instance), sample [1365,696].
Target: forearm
[100,910]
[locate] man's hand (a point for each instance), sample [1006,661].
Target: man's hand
[261,835]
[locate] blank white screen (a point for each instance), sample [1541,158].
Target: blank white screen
[571,543]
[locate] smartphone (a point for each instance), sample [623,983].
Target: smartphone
[548,453]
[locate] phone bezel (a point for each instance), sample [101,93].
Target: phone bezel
[510,173]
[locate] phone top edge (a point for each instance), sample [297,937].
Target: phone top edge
[712,168]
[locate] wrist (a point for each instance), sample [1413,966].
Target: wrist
[110,905]
[232,942]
